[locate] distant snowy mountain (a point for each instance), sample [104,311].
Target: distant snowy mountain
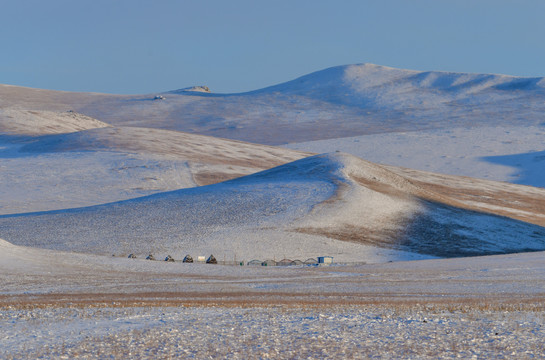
[337,102]
[381,87]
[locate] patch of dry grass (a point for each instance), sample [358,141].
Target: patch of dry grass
[499,302]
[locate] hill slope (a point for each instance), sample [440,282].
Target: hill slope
[333,203]
[58,160]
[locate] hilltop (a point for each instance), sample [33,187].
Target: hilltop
[337,102]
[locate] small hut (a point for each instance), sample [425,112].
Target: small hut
[311,261]
[150,257]
[169,258]
[297,262]
[188,259]
[211,260]
[132,256]
[254,263]
[325,260]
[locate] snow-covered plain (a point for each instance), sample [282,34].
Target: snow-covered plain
[85,176]
[421,332]
[73,305]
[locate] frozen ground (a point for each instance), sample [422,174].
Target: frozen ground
[33,276]
[372,331]
[56,305]
[66,305]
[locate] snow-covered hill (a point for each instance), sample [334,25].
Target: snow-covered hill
[59,170]
[56,156]
[480,125]
[33,122]
[337,102]
[375,86]
[335,204]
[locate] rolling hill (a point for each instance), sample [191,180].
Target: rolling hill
[479,125]
[336,102]
[333,203]
[103,174]
[56,165]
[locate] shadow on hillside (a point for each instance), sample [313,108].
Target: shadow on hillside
[19,146]
[10,145]
[530,167]
[447,231]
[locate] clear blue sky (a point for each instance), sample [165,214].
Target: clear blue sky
[132,46]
